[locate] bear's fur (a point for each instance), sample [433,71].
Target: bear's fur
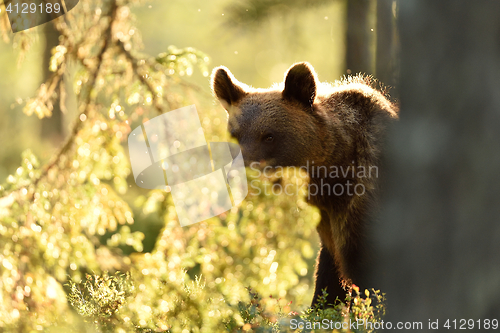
[306,123]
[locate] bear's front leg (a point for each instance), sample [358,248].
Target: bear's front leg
[327,277]
[327,273]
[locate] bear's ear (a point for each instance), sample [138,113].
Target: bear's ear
[300,84]
[227,89]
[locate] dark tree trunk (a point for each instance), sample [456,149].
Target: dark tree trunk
[387,54]
[52,127]
[358,39]
[438,233]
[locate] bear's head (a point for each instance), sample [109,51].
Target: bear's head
[280,126]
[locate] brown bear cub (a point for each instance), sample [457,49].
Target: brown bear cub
[335,132]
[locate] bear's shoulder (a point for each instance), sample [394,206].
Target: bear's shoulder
[358,92]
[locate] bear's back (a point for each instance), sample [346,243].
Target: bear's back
[355,94]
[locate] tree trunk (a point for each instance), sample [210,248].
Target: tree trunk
[358,40]
[52,127]
[438,232]
[387,53]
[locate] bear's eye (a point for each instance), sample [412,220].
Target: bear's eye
[268,138]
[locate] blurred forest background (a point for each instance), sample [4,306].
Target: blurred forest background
[72,90]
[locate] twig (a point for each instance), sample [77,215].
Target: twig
[7,201]
[89,100]
[144,81]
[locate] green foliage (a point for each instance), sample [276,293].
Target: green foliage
[182,61]
[369,308]
[99,297]
[253,12]
[101,301]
